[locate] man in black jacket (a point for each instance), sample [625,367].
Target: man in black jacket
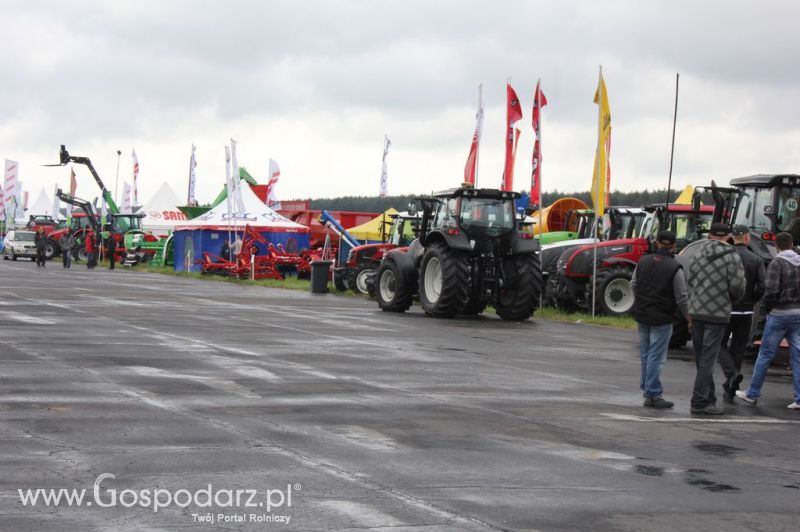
[660,290]
[738,331]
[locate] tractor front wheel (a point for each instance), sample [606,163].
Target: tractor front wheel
[614,292]
[444,281]
[394,285]
[520,295]
[50,248]
[360,280]
[340,279]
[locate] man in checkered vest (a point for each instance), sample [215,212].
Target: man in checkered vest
[716,281]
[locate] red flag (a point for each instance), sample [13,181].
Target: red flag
[471,170]
[73,183]
[539,101]
[513,114]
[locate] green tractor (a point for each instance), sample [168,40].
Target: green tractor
[470,253]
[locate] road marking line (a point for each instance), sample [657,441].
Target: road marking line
[25,318]
[770,421]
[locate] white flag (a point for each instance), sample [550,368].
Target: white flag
[135,179]
[228,180]
[274,173]
[21,203]
[2,202]
[103,212]
[384,173]
[56,204]
[191,200]
[11,185]
[237,182]
[126,198]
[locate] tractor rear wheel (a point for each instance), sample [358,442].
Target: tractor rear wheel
[520,297]
[81,254]
[444,281]
[394,285]
[614,293]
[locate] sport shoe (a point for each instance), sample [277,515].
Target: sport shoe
[794,406]
[743,396]
[658,402]
[709,410]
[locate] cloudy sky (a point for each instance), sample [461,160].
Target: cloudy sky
[316,84]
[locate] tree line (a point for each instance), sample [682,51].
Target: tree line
[379,204]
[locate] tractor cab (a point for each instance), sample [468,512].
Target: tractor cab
[472,214]
[768,205]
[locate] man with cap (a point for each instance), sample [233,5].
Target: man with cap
[737,334]
[716,279]
[659,288]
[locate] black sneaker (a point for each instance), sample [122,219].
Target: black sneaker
[710,410]
[736,380]
[658,403]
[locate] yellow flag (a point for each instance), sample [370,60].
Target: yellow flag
[601,176]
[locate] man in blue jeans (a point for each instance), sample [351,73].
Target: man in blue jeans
[660,289]
[782,302]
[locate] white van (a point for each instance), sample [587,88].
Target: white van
[19,244]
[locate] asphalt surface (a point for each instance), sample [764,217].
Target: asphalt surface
[376,421]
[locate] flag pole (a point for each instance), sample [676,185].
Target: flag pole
[478,146]
[597,215]
[538,138]
[674,123]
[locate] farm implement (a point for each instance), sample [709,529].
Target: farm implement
[249,264]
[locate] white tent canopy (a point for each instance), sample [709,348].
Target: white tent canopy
[42,206]
[161,211]
[257,214]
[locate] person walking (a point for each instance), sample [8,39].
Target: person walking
[659,288]
[737,334]
[66,242]
[40,240]
[716,280]
[89,247]
[782,303]
[111,247]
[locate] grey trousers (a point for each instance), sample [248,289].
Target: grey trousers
[706,341]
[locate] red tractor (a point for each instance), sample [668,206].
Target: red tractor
[363,261]
[572,284]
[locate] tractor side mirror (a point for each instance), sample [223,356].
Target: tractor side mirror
[412,209]
[64,155]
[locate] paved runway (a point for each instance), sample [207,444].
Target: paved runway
[368,420]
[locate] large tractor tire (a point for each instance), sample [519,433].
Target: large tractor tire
[80,254]
[360,279]
[520,297]
[395,283]
[614,292]
[50,249]
[443,281]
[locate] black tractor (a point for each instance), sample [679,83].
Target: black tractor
[470,253]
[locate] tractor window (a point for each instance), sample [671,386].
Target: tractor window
[446,213]
[744,212]
[787,209]
[762,197]
[491,217]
